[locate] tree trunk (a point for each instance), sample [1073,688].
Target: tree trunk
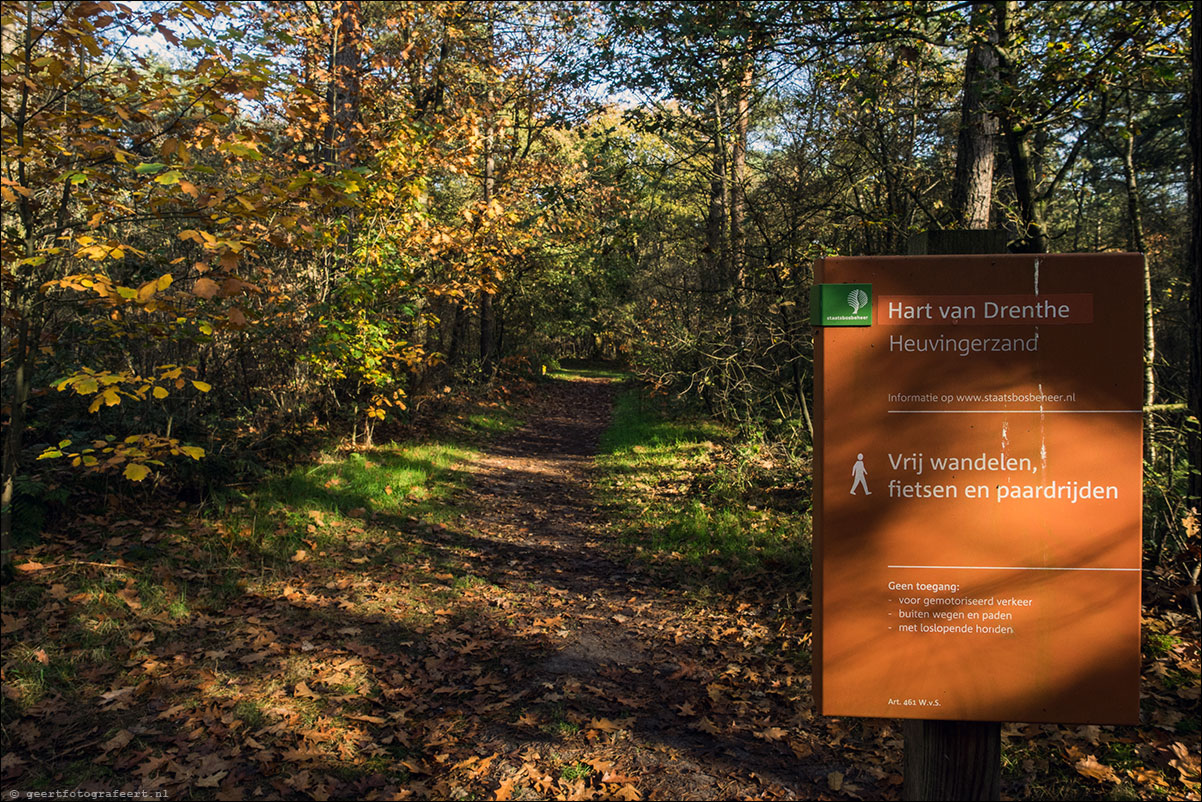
[738,232]
[488,342]
[972,190]
[1135,241]
[22,290]
[1017,133]
[343,91]
[1195,262]
[715,239]
[487,314]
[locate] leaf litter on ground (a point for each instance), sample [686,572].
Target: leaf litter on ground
[512,632]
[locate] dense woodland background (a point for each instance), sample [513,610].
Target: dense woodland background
[230,226]
[297,501]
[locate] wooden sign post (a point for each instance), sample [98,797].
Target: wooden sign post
[977,498]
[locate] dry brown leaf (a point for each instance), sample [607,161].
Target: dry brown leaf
[613,778]
[205,288]
[505,790]
[11,624]
[1089,766]
[117,741]
[835,780]
[130,597]
[212,781]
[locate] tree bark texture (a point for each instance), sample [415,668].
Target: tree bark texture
[1017,133]
[972,189]
[488,335]
[738,209]
[1195,262]
[343,91]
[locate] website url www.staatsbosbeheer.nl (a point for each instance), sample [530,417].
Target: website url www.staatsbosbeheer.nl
[982,398]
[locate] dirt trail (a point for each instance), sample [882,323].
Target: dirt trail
[686,700]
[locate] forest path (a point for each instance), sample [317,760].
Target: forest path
[619,670]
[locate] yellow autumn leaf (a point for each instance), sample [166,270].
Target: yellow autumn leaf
[159,392]
[136,472]
[204,387]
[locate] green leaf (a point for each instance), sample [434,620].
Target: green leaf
[149,168]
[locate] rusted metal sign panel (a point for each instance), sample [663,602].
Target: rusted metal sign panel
[978,485]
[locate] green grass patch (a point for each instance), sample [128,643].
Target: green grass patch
[494,422]
[392,479]
[571,370]
[693,493]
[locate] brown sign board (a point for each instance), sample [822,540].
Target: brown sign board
[978,487]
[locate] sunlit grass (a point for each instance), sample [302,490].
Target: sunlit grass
[685,504]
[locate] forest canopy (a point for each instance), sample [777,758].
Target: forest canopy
[227,224]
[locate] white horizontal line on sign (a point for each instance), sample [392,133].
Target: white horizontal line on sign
[1010,568]
[1015,411]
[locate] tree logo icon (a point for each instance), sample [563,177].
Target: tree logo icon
[841,304]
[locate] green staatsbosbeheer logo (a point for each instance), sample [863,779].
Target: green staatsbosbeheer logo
[841,305]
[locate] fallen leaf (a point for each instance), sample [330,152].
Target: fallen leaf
[614,778]
[505,790]
[801,749]
[835,780]
[1089,766]
[12,765]
[117,741]
[772,734]
[212,781]
[11,624]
